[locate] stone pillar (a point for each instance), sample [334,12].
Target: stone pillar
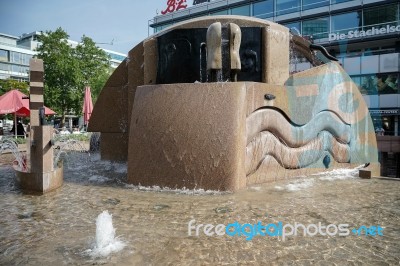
[41,154]
[41,177]
[41,150]
[36,89]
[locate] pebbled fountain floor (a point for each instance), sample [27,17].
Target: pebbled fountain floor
[58,228]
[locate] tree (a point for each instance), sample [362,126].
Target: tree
[93,65]
[67,70]
[10,84]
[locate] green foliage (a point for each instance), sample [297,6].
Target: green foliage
[68,70]
[10,84]
[78,137]
[20,140]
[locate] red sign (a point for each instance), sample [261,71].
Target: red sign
[174,5]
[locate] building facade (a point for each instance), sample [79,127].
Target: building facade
[15,53]
[14,58]
[363,34]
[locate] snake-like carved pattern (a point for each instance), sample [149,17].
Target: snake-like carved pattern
[292,135]
[266,143]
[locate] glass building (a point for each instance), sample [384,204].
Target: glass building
[14,59]
[15,53]
[363,34]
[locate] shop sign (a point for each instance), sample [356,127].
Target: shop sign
[364,33]
[174,5]
[384,112]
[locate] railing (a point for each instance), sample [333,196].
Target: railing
[206,8]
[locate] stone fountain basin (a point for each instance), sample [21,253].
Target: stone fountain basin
[40,183]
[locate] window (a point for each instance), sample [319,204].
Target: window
[344,22]
[381,15]
[387,83]
[264,9]
[287,6]
[25,59]
[371,51]
[15,68]
[310,4]
[5,67]
[220,12]
[293,25]
[357,81]
[368,84]
[241,10]
[15,57]
[354,53]
[3,55]
[317,28]
[339,1]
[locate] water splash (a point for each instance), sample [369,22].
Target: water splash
[106,242]
[184,191]
[297,185]
[65,144]
[337,174]
[12,146]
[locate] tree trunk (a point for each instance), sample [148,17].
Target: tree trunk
[62,123]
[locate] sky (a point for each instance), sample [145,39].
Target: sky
[125,22]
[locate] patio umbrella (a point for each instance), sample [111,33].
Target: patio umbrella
[12,102]
[87,105]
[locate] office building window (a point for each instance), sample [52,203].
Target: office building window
[357,81]
[344,22]
[264,9]
[339,1]
[15,57]
[3,55]
[241,10]
[220,12]
[157,29]
[316,28]
[382,83]
[5,67]
[293,26]
[388,83]
[287,6]
[25,59]
[379,16]
[310,4]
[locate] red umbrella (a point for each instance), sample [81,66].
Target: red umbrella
[12,102]
[87,105]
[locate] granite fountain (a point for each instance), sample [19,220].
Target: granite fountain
[212,103]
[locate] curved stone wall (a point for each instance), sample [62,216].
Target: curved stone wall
[226,135]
